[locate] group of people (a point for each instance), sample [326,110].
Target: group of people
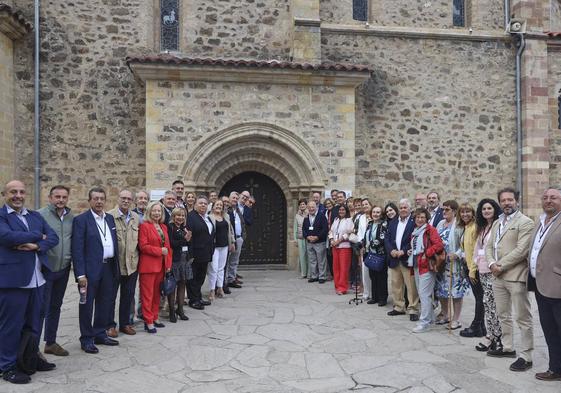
[433,253]
[139,242]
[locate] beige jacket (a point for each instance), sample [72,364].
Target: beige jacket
[548,264]
[127,238]
[512,248]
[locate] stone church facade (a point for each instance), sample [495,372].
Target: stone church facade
[381,97]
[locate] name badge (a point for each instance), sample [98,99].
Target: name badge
[184,248]
[481,253]
[311,228]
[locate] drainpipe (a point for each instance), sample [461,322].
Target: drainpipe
[36,146]
[521,46]
[507,12]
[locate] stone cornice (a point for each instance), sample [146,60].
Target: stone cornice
[12,23]
[189,72]
[418,33]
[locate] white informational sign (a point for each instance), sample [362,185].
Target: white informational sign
[156,195]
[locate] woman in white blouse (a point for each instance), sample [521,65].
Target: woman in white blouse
[341,228]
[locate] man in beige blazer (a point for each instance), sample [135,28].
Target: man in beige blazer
[507,252]
[545,278]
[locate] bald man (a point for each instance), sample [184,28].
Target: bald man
[25,238]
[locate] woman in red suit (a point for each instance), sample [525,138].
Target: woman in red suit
[155,258]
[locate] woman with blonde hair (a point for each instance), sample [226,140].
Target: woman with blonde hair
[179,237]
[225,241]
[155,259]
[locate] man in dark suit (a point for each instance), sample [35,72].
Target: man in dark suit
[169,202]
[95,256]
[243,205]
[434,208]
[202,248]
[314,230]
[341,200]
[316,197]
[25,238]
[544,278]
[397,243]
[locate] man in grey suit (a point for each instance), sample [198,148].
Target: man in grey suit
[545,278]
[507,253]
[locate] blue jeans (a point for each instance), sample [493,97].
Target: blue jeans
[54,290]
[425,287]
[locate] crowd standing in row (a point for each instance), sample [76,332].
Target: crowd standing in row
[110,252]
[437,251]
[432,253]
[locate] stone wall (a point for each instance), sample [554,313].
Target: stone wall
[426,122]
[480,14]
[255,29]
[6,109]
[92,109]
[554,83]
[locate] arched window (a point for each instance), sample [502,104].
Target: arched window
[559,110]
[459,13]
[360,10]
[169,25]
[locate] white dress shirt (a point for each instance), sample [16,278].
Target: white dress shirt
[208,223]
[538,241]
[237,224]
[37,279]
[401,225]
[105,235]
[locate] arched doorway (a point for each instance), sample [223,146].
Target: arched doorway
[265,243]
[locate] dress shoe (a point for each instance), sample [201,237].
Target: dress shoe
[150,330]
[15,376]
[240,282]
[395,312]
[44,365]
[182,315]
[500,353]
[234,285]
[371,301]
[105,341]
[112,332]
[89,348]
[321,281]
[226,290]
[413,317]
[128,330]
[159,324]
[205,303]
[382,304]
[312,279]
[238,276]
[520,365]
[474,331]
[197,306]
[55,349]
[548,376]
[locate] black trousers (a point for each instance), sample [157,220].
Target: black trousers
[550,319]
[379,285]
[200,266]
[126,299]
[477,289]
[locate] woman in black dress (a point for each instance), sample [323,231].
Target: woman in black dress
[179,236]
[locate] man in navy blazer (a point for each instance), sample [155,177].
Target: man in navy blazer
[25,238]
[435,210]
[96,268]
[397,243]
[314,230]
[202,248]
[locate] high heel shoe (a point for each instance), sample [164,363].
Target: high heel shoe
[150,330]
[172,317]
[181,315]
[211,296]
[159,324]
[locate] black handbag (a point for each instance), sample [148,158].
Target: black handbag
[375,262]
[168,285]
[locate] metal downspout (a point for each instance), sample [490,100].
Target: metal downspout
[507,12]
[36,146]
[521,46]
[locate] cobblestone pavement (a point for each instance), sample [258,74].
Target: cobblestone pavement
[281,334]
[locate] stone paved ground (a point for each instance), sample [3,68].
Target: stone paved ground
[281,334]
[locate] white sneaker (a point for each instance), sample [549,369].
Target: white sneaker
[421,328]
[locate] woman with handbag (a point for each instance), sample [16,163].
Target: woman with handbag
[338,236]
[451,283]
[375,256]
[425,244]
[179,237]
[155,259]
